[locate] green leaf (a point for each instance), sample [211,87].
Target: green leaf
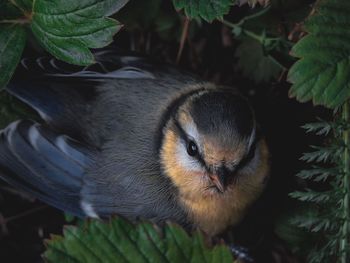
[314,223]
[12,41]
[310,196]
[15,9]
[120,241]
[69,218]
[67,29]
[12,109]
[23,5]
[113,6]
[206,9]
[252,3]
[318,174]
[254,63]
[9,11]
[322,154]
[319,128]
[322,72]
[297,238]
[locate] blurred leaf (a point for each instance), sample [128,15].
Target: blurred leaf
[139,13]
[69,218]
[113,6]
[67,29]
[322,154]
[298,239]
[318,174]
[206,9]
[9,11]
[319,128]
[168,26]
[314,223]
[15,9]
[311,196]
[322,72]
[12,109]
[254,63]
[23,5]
[253,2]
[12,41]
[120,241]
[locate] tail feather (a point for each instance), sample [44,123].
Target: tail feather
[47,165]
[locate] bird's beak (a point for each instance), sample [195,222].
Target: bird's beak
[218,179]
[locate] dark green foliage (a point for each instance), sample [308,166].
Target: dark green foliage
[12,41]
[253,2]
[206,9]
[11,110]
[9,11]
[328,217]
[120,241]
[262,50]
[254,62]
[67,29]
[321,74]
[140,14]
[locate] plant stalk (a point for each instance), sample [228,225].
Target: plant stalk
[21,21]
[184,36]
[346,186]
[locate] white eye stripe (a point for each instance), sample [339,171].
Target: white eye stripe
[193,134]
[188,162]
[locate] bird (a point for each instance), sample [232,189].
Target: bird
[131,136]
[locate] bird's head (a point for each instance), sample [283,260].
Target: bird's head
[211,150]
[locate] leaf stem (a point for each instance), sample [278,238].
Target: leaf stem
[27,15]
[183,39]
[238,27]
[13,2]
[276,62]
[260,38]
[21,21]
[255,15]
[346,187]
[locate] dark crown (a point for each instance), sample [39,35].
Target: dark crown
[223,113]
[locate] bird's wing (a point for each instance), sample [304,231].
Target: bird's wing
[47,165]
[63,93]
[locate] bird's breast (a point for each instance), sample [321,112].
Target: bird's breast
[207,208]
[214,212]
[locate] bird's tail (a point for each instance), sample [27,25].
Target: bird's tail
[47,165]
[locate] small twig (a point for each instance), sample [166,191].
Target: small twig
[276,62]
[132,41]
[28,14]
[25,213]
[13,2]
[183,39]
[3,226]
[21,21]
[148,42]
[255,15]
[260,38]
[19,193]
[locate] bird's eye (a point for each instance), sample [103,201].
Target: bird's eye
[192,148]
